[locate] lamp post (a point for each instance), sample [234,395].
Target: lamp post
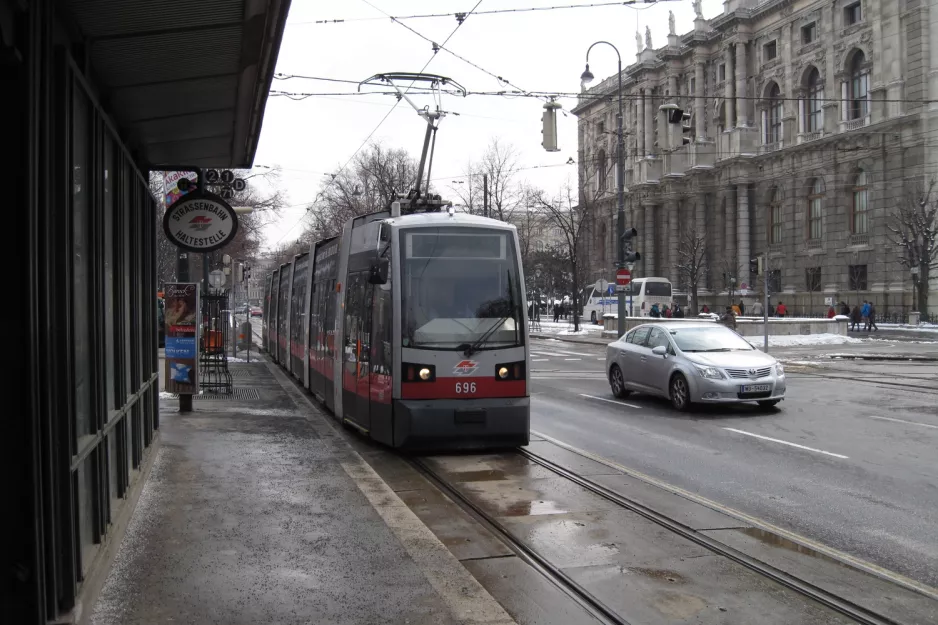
[586,78]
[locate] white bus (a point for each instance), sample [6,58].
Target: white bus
[644,293]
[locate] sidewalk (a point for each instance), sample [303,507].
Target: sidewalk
[256,511]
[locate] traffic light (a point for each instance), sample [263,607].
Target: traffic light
[549,130]
[755,266]
[687,135]
[629,255]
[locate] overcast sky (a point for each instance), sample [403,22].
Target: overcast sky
[536,51]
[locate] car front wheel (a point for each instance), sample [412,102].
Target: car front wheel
[617,383]
[679,393]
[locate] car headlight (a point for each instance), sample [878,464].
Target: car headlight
[779,370]
[709,372]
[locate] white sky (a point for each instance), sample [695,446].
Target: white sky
[537,51]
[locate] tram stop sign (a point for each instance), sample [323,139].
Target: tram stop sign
[623,278]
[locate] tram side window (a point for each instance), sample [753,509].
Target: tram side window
[328,304]
[381,353]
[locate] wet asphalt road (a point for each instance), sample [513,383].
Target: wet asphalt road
[878,503]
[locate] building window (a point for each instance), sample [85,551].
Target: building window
[721,72]
[601,169]
[693,85]
[775,218]
[774,131]
[813,278]
[859,86]
[722,122]
[857,277]
[808,33]
[769,51]
[816,210]
[602,244]
[775,281]
[861,205]
[601,128]
[853,14]
[814,111]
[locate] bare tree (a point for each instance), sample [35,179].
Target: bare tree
[368,185]
[570,217]
[692,264]
[728,267]
[506,194]
[913,227]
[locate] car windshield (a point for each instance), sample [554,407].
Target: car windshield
[460,285]
[709,339]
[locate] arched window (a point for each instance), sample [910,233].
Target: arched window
[814,120]
[858,88]
[721,116]
[816,210]
[861,204]
[601,170]
[773,132]
[775,217]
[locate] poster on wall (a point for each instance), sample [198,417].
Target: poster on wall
[182,337]
[171,191]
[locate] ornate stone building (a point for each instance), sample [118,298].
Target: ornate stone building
[809,122]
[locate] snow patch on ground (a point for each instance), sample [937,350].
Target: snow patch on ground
[793,340]
[562,327]
[166,395]
[572,333]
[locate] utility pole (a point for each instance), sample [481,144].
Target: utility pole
[182,275]
[485,195]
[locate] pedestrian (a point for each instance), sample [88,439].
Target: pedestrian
[871,318]
[736,310]
[781,310]
[667,312]
[771,309]
[678,312]
[844,309]
[855,316]
[831,312]
[556,312]
[654,311]
[705,309]
[757,310]
[865,315]
[742,308]
[728,318]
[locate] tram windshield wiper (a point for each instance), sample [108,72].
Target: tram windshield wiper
[482,339]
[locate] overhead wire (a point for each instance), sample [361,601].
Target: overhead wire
[372,133]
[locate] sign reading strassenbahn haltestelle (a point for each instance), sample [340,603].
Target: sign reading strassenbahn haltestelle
[200,222]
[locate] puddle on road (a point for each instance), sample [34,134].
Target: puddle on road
[529,508]
[770,538]
[486,475]
[662,575]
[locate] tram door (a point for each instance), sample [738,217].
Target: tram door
[356,387]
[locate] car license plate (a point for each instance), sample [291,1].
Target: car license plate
[755,388]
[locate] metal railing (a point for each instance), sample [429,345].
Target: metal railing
[853,124]
[214,376]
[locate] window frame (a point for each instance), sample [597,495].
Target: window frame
[814,110]
[770,46]
[809,28]
[773,132]
[776,223]
[815,201]
[860,189]
[853,13]
[813,279]
[858,106]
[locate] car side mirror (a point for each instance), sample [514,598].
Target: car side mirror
[660,350]
[379,271]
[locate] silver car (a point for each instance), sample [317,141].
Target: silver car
[693,362]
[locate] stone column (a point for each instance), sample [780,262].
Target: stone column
[640,125]
[729,232]
[672,89]
[700,104]
[649,123]
[648,254]
[673,241]
[742,232]
[742,117]
[729,102]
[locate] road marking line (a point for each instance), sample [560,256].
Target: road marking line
[924,425]
[775,440]
[611,401]
[603,358]
[573,359]
[836,554]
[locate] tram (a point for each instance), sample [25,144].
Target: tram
[410,328]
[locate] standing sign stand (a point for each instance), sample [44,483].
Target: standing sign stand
[623,280]
[182,337]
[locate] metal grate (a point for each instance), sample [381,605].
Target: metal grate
[744,373]
[238,393]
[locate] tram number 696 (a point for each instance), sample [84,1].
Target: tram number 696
[464,388]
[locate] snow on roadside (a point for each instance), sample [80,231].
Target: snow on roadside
[793,340]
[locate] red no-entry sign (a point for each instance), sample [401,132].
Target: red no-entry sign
[623,277]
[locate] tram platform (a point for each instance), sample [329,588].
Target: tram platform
[257,511]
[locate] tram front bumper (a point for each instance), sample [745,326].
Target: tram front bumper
[447,424]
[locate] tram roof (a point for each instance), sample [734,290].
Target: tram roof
[445,219]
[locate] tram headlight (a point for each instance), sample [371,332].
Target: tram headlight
[507,371]
[425,374]
[415,372]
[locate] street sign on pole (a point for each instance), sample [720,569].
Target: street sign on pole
[601,285]
[623,278]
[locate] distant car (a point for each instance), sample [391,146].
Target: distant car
[693,362]
[256,311]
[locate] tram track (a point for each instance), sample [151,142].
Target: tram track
[584,597]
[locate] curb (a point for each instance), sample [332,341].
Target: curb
[896,357]
[569,339]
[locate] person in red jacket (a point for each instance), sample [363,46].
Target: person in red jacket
[781,310]
[831,312]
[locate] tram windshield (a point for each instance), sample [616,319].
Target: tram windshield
[460,288]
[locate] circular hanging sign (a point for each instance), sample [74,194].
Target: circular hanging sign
[200,222]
